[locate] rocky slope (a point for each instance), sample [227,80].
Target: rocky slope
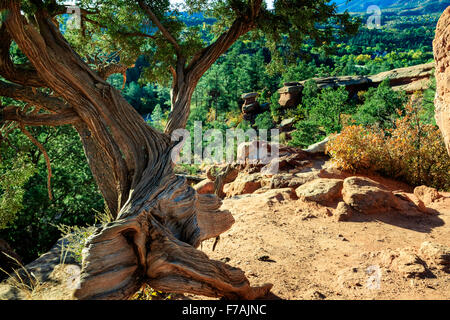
[313,231]
[318,233]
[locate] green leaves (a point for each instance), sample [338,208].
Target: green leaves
[380,106]
[3,16]
[320,113]
[12,181]
[24,189]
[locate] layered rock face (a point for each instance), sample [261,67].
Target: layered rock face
[409,79]
[441,47]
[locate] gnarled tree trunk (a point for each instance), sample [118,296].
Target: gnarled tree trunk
[160,220]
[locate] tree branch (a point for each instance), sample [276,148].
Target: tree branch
[31,95]
[21,74]
[203,60]
[127,34]
[160,26]
[63,117]
[44,152]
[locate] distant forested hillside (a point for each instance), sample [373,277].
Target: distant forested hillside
[398,6]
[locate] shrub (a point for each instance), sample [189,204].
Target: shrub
[264,121]
[380,106]
[12,190]
[306,134]
[412,151]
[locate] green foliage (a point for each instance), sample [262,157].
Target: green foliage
[264,121]
[75,193]
[319,113]
[306,133]
[12,181]
[380,105]
[157,118]
[76,236]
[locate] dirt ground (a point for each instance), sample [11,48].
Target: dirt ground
[310,256]
[306,254]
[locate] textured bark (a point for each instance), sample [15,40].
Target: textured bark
[441,47]
[160,220]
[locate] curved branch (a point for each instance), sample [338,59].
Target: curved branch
[124,33]
[63,117]
[199,64]
[21,74]
[31,95]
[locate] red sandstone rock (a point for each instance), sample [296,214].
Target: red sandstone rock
[441,47]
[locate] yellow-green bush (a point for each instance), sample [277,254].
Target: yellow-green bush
[412,151]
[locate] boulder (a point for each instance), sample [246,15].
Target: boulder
[320,190]
[368,196]
[442,60]
[281,194]
[343,212]
[436,254]
[426,194]
[205,187]
[412,205]
[254,151]
[251,108]
[287,125]
[290,95]
[243,184]
[404,261]
[286,163]
[287,180]
[319,147]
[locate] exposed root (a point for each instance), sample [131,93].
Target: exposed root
[157,246]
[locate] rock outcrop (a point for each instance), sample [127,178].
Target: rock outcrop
[251,108]
[244,184]
[320,190]
[409,79]
[436,254]
[441,47]
[368,196]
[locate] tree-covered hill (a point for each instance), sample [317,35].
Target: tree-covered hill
[395,6]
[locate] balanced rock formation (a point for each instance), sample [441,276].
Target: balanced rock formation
[251,108]
[441,47]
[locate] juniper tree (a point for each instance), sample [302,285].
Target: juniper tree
[159,219]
